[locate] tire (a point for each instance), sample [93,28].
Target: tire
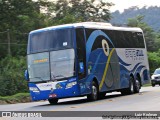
[137,86]
[94,93]
[131,86]
[53,101]
[130,89]
[153,85]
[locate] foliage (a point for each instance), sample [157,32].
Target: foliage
[154,60]
[17,19]
[83,10]
[12,75]
[151,16]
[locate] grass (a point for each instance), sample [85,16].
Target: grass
[17,98]
[146,85]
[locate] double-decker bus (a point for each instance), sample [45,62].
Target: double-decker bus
[85,59]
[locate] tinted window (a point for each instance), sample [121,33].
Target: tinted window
[126,39]
[120,39]
[140,39]
[81,49]
[50,40]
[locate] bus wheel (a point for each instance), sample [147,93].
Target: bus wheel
[153,85]
[94,94]
[131,85]
[130,89]
[137,86]
[53,101]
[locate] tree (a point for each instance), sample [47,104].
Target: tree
[154,60]
[19,17]
[83,10]
[12,75]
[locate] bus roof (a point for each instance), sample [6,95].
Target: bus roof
[95,25]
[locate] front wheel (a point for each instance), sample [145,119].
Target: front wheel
[53,101]
[94,94]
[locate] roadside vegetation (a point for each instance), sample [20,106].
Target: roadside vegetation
[17,98]
[18,18]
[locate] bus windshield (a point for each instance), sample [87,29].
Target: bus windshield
[50,40]
[52,65]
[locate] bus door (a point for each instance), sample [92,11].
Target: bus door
[81,59]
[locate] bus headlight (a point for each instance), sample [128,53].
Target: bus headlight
[34,89]
[71,84]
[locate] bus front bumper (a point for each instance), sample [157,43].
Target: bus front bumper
[54,90]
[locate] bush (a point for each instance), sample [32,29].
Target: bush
[12,75]
[154,60]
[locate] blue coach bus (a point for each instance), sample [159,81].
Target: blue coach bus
[85,59]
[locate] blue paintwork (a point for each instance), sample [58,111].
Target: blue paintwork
[91,40]
[61,93]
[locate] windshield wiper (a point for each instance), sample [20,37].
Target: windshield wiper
[56,77]
[40,79]
[59,76]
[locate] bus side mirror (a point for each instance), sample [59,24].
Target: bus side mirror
[81,67]
[26,75]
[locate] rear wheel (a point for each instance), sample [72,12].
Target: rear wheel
[137,86]
[53,101]
[94,94]
[130,89]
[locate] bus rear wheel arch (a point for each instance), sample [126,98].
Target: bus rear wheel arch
[134,86]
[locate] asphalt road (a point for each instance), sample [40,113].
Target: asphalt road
[147,100]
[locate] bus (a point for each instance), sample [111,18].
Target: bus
[85,59]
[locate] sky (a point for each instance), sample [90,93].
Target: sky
[124,4]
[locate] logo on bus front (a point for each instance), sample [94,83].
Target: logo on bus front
[134,54]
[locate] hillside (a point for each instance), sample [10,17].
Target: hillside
[151,16]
